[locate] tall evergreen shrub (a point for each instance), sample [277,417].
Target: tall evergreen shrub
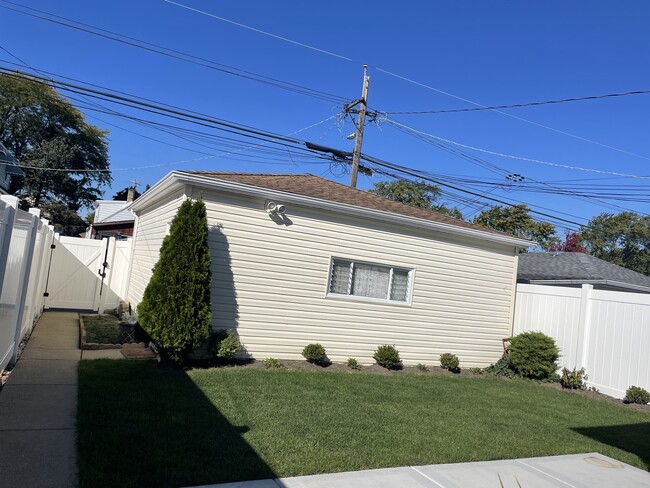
[175,310]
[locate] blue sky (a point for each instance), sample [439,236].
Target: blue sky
[488,52]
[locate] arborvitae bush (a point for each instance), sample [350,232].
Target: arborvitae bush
[388,357]
[533,355]
[450,361]
[315,353]
[224,344]
[175,309]
[636,394]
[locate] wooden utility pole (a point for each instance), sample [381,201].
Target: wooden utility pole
[363,102]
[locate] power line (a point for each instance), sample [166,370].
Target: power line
[410,171]
[404,78]
[238,24]
[510,156]
[266,137]
[518,105]
[172,53]
[506,172]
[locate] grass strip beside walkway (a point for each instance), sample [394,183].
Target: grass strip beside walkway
[142,425]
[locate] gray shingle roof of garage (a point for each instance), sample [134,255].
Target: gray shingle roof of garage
[576,267]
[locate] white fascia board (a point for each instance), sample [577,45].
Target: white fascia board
[176,179]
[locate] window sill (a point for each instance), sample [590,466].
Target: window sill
[378,301]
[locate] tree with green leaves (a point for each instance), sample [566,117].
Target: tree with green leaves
[175,310]
[44,130]
[416,194]
[66,221]
[622,239]
[516,220]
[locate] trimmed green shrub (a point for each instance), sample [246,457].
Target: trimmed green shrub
[388,357]
[315,353]
[422,367]
[353,363]
[224,344]
[636,394]
[270,363]
[501,368]
[450,361]
[175,309]
[573,379]
[533,355]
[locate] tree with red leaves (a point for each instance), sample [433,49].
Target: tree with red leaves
[572,243]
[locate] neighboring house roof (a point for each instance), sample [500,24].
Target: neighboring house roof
[574,268]
[112,211]
[319,192]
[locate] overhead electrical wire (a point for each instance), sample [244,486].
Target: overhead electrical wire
[550,188]
[173,53]
[279,142]
[403,78]
[520,105]
[511,156]
[417,174]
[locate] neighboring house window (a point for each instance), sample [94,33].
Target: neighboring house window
[368,280]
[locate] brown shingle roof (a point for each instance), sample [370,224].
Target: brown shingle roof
[315,187]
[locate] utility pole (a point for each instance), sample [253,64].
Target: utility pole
[363,103]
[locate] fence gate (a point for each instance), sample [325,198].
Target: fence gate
[77,269]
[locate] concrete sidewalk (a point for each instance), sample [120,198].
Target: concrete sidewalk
[38,408]
[591,470]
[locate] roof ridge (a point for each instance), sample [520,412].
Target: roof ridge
[587,262]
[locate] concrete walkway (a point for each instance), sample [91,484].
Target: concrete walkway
[591,470]
[38,408]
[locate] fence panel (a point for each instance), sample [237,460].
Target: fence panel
[7,327]
[606,332]
[554,311]
[23,239]
[618,342]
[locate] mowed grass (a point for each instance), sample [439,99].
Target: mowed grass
[102,329]
[142,425]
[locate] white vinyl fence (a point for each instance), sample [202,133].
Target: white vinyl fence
[24,252]
[605,332]
[88,274]
[40,270]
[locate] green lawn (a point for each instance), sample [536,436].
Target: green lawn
[102,329]
[142,425]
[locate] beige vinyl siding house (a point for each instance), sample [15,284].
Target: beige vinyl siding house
[348,277]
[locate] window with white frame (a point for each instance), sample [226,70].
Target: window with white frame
[369,280]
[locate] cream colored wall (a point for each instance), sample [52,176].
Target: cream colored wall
[150,230]
[270,282]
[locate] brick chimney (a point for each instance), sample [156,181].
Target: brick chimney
[130,194]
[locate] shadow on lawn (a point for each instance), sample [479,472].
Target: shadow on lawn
[633,438]
[143,425]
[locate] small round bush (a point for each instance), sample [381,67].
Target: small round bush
[273,363]
[573,379]
[422,367]
[388,357]
[450,361]
[636,394]
[224,344]
[353,363]
[533,355]
[315,353]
